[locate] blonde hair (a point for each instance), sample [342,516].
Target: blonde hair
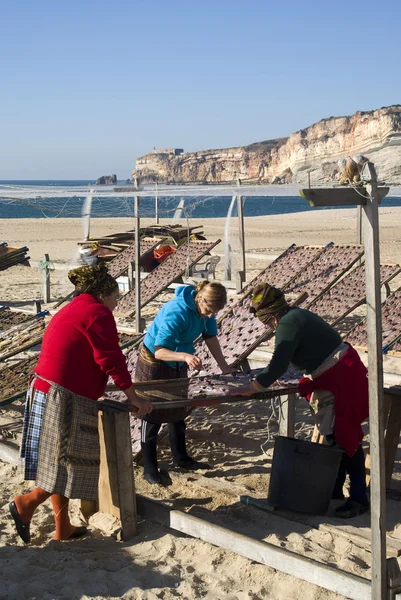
[213,293]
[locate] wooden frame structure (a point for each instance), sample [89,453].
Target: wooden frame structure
[369,198]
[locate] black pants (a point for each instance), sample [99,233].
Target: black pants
[176,432]
[354,466]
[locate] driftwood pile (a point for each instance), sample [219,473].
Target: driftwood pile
[10,256]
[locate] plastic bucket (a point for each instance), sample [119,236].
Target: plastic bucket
[303,475]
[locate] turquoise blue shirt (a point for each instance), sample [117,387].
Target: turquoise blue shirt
[178,324]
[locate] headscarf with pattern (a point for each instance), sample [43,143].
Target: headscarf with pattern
[267,301]
[93,280]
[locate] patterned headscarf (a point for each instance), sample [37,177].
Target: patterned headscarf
[267,301]
[93,280]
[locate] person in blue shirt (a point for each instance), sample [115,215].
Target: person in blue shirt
[166,353]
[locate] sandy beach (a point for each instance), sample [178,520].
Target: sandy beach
[236,439]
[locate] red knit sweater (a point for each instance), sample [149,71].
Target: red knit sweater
[80,350]
[348,382]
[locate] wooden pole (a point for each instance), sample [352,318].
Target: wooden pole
[46,280]
[241,234]
[375,367]
[287,415]
[137,269]
[359,237]
[131,275]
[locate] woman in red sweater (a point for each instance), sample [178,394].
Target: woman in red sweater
[60,443]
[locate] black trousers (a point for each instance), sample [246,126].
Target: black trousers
[176,432]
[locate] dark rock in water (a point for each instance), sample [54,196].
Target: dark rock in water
[106,180]
[128,181]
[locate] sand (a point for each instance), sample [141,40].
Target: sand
[236,439]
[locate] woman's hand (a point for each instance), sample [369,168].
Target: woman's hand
[248,390]
[141,406]
[192,361]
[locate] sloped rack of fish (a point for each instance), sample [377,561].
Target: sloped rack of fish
[391,326]
[119,265]
[280,272]
[22,337]
[197,391]
[349,293]
[166,273]
[15,380]
[240,332]
[129,340]
[11,256]
[9,318]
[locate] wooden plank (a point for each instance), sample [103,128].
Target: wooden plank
[341,196]
[108,477]
[375,367]
[116,479]
[125,475]
[346,584]
[357,535]
[287,415]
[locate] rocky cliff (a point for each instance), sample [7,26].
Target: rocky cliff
[376,134]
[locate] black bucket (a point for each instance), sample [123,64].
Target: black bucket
[303,475]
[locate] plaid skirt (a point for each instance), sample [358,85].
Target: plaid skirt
[60,447]
[149,368]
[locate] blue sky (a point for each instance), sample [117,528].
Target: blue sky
[87,87]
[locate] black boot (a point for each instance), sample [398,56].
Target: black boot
[149,450]
[181,459]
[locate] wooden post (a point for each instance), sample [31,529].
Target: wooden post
[116,479]
[46,280]
[137,268]
[392,436]
[241,236]
[359,236]
[37,306]
[375,367]
[131,276]
[287,415]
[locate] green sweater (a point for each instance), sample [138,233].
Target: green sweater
[302,338]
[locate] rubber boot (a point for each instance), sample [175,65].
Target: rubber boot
[357,477]
[181,458]
[149,451]
[176,434]
[64,529]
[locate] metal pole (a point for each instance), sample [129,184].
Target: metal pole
[157,206]
[227,245]
[137,270]
[241,234]
[375,366]
[86,215]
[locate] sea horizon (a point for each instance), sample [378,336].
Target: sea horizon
[203,206]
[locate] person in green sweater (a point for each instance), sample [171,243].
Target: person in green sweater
[336,388]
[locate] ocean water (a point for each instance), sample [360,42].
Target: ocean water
[202,207]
